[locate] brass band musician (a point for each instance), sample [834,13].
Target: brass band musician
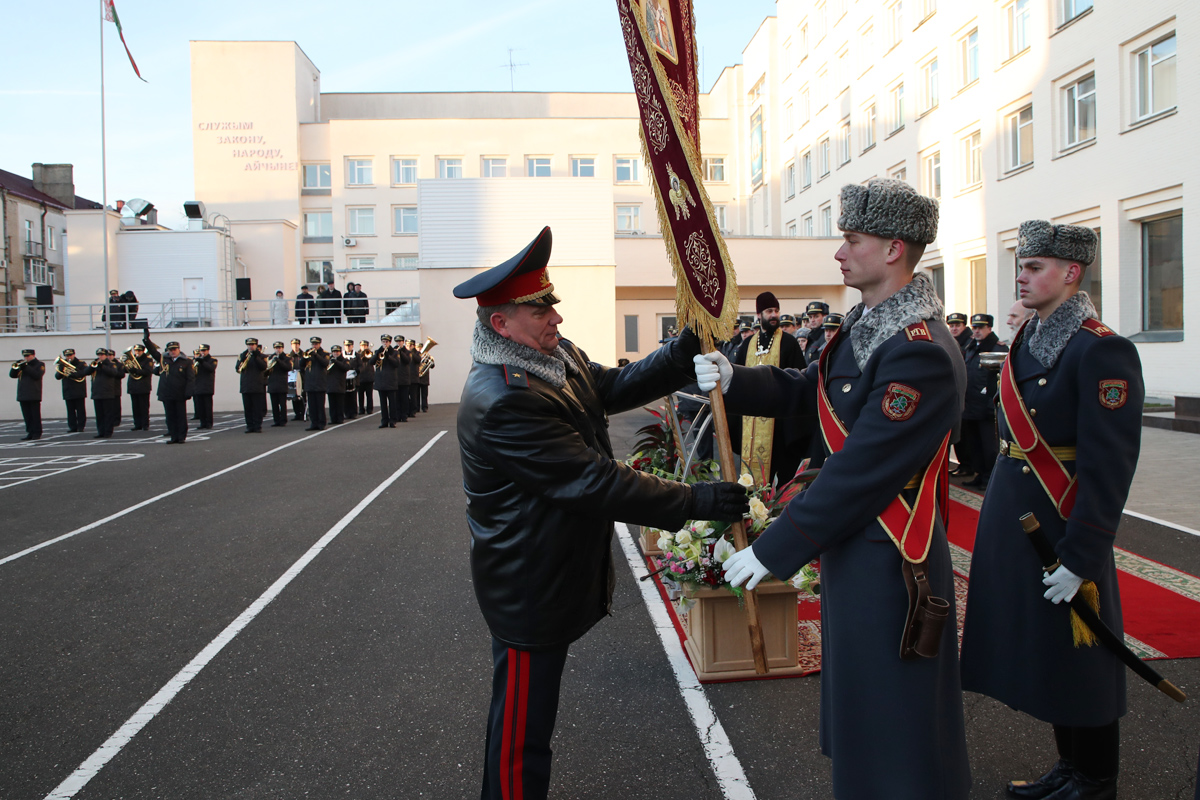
[73,374]
[28,372]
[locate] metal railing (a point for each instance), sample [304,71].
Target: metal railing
[34,249]
[186,313]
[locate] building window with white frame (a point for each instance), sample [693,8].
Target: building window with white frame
[537,167]
[51,239]
[362,262]
[1079,115]
[968,56]
[495,168]
[826,220]
[789,120]
[805,107]
[405,261]
[316,176]
[1070,9]
[791,231]
[1162,274]
[362,221]
[1154,78]
[802,44]
[895,23]
[789,173]
[806,225]
[714,169]
[450,168]
[929,85]
[821,86]
[404,171]
[896,94]
[841,70]
[318,271]
[404,220]
[823,157]
[583,167]
[629,219]
[972,152]
[844,143]
[318,224]
[898,172]
[1017,23]
[627,169]
[721,213]
[358,171]
[1019,132]
[931,175]
[36,271]
[928,9]
[806,169]
[865,48]
[820,21]
[869,122]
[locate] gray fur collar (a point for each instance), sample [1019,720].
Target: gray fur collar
[1047,339]
[489,347]
[916,302]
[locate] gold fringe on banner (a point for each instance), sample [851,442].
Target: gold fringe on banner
[687,308]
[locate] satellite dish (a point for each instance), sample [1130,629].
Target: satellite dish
[140,207]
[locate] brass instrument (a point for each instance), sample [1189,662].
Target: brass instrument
[65,367]
[271,362]
[426,360]
[245,361]
[427,364]
[18,365]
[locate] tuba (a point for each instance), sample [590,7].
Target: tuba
[65,367]
[426,359]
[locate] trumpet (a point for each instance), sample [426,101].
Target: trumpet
[271,364]
[18,365]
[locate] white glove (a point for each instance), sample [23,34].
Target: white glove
[1063,585]
[711,369]
[742,565]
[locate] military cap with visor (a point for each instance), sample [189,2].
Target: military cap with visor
[522,279]
[70,351]
[28,353]
[816,307]
[958,317]
[277,344]
[295,341]
[314,340]
[337,348]
[175,346]
[251,340]
[787,319]
[101,351]
[387,337]
[832,322]
[979,320]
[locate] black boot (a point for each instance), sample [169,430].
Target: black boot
[1044,786]
[1081,787]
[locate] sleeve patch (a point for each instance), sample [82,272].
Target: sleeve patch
[1113,393]
[900,402]
[515,377]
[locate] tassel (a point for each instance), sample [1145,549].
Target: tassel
[1081,633]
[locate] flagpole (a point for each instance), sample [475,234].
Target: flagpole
[104,191]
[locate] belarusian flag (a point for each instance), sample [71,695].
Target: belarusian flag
[110,14]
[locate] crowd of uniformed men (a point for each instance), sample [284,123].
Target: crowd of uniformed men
[344,377]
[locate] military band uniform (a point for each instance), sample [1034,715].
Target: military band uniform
[106,387]
[365,391]
[29,375]
[1082,386]
[977,448]
[350,397]
[316,364]
[403,382]
[277,388]
[252,384]
[423,380]
[74,391]
[176,380]
[138,386]
[414,380]
[296,356]
[387,381]
[335,385]
[204,387]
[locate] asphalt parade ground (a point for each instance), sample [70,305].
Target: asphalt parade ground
[290,615]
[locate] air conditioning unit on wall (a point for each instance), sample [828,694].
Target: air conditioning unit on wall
[348,242]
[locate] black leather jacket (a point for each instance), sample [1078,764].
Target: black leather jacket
[543,490]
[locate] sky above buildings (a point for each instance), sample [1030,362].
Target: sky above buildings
[50,93]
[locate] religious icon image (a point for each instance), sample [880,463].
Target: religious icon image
[660,28]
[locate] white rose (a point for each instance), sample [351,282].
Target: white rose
[746,480]
[758,509]
[664,541]
[683,538]
[723,550]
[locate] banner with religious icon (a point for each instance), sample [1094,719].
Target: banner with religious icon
[660,40]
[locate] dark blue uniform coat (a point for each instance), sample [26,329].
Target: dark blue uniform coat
[893,728]
[1017,646]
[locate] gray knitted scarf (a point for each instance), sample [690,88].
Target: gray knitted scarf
[489,347]
[916,302]
[1047,339]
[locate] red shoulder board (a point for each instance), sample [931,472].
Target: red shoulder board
[1097,327]
[918,332]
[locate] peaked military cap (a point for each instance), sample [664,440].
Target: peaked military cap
[816,307]
[277,344]
[112,352]
[139,346]
[387,337]
[364,343]
[295,341]
[337,348]
[251,340]
[203,347]
[832,322]
[28,353]
[956,317]
[176,344]
[982,319]
[787,319]
[314,340]
[70,351]
[100,351]
[521,279]
[1038,237]
[348,341]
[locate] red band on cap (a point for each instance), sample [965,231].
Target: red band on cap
[518,289]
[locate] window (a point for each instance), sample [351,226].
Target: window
[1073,8]
[318,224]
[1020,138]
[931,175]
[495,168]
[929,85]
[844,143]
[1091,283]
[362,221]
[722,221]
[1162,274]
[316,176]
[1154,78]
[899,172]
[358,172]
[627,169]
[36,272]
[405,261]
[28,232]
[404,219]
[805,106]
[841,70]
[820,21]
[1080,114]
[972,166]
[450,168]
[1017,14]
[631,333]
[978,271]
[362,262]
[404,171]
[897,99]
[895,23]
[318,273]
[537,167]
[938,276]
[869,127]
[823,155]
[629,219]
[791,232]
[583,167]
[789,177]
[51,241]
[968,54]
[928,7]
[822,86]
[789,120]
[714,169]
[865,48]
[807,225]
[806,169]
[827,220]
[803,43]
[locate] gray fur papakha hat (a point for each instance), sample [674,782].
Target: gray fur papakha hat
[1039,237]
[889,208]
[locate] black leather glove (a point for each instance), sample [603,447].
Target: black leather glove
[719,502]
[687,346]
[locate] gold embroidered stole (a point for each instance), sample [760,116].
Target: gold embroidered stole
[758,433]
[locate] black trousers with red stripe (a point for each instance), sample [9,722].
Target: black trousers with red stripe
[524,707]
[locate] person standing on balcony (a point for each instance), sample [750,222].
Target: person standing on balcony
[304,306]
[329,305]
[115,315]
[279,310]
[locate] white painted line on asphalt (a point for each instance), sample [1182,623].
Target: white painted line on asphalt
[47,466]
[725,764]
[158,497]
[105,753]
[1163,522]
